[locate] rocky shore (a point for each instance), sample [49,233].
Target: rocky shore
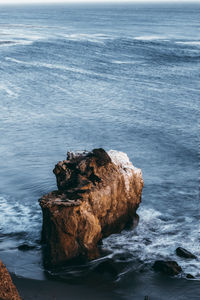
[98,194]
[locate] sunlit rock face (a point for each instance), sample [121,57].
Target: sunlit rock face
[7,289]
[98,194]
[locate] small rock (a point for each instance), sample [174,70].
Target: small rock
[168,267]
[25,247]
[184,253]
[146,298]
[190,276]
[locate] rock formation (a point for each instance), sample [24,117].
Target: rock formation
[7,289]
[98,194]
[168,267]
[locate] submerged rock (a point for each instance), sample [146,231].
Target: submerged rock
[184,253]
[98,194]
[190,276]
[7,289]
[107,267]
[168,267]
[25,247]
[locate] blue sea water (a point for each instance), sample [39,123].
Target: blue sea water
[122,77]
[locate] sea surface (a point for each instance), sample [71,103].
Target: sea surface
[123,77]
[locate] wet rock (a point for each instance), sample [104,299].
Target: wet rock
[107,266]
[168,267]
[110,266]
[7,289]
[123,256]
[98,194]
[190,276]
[184,253]
[26,247]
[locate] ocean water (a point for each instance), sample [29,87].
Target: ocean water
[122,77]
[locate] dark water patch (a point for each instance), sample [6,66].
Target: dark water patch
[6,42]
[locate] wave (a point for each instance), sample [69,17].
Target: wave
[58,67]
[14,35]
[11,91]
[49,66]
[192,43]
[156,237]
[5,42]
[121,62]
[17,218]
[150,38]
[15,42]
[93,38]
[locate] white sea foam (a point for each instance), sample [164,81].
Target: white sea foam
[46,65]
[19,35]
[121,62]
[16,218]
[10,90]
[149,37]
[192,43]
[157,237]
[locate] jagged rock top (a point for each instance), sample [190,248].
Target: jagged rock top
[83,171]
[121,160]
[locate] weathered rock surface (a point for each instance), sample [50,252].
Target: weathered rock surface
[98,194]
[7,289]
[184,253]
[168,267]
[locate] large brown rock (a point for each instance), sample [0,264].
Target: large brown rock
[98,194]
[7,289]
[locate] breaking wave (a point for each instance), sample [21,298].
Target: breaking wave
[156,237]
[17,218]
[150,38]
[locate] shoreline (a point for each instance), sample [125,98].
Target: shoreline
[157,287]
[48,289]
